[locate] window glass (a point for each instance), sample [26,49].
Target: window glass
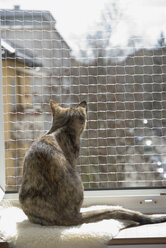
[117,65]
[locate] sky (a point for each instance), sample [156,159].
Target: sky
[75,18]
[71,16]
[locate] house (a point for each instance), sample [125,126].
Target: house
[17,71]
[36,60]
[36,31]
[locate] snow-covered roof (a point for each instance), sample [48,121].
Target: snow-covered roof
[12,51]
[18,16]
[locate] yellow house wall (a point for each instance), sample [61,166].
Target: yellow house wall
[12,77]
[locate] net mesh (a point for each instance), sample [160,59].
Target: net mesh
[124,144]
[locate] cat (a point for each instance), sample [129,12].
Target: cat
[51,192]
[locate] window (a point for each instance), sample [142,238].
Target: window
[124,144]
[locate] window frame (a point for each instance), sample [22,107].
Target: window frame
[2,145]
[144,200]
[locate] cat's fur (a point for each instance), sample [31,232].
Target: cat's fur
[52,192]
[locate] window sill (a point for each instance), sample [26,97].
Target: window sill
[141,235]
[153,235]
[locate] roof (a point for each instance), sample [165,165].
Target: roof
[16,16]
[12,51]
[28,18]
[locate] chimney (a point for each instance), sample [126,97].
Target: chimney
[16,7]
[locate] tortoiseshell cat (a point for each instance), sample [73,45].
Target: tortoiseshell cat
[52,192]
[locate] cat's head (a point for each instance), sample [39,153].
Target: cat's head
[73,118]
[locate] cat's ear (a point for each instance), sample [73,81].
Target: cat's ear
[56,109]
[83,104]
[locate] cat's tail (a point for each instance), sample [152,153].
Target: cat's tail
[120,213]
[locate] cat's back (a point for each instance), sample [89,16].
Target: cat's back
[43,165]
[43,156]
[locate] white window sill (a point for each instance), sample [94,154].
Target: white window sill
[152,236]
[142,236]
